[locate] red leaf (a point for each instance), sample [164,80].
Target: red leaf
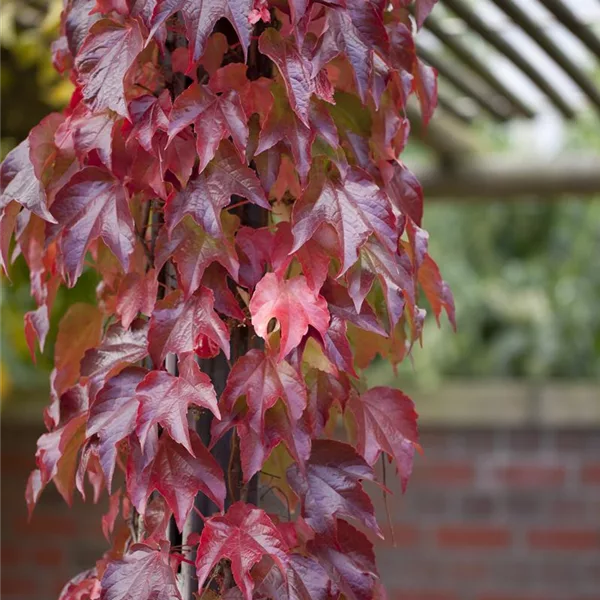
[120,347]
[263,381]
[19,183]
[165,399]
[422,9]
[94,132]
[36,328]
[107,54]
[113,416]
[177,475]
[214,117]
[332,487]
[386,422]
[426,89]
[79,329]
[210,192]
[244,535]
[93,204]
[84,586]
[108,520]
[354,32]
[137,294]
[143,573]
[355,208]
[178,325]
[193,251]
[293,304]
[200,18]
[436,290]
[305,580]
[294,68]
[349,561]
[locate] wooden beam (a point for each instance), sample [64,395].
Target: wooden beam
[497,107]
[471,60]
[478,25]
[449,105]
[499,178]
[569,20]
[542,39]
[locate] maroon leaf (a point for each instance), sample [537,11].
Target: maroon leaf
[355,208]
[37,326]
[137,294]
[165,399]
[178,325]
[193,251]
[243,535]
[436,290]
[305,580]
[113,416]
[349,560]
[426,89]
[214,117]
[386,422]
[120,347]
[293,304]
[178,476]
[200,18]
[94,132]
[294,68]
[143,573]
[103,61]
[331,487]
[210,192]
[84,586]
[93,204]
[18,183]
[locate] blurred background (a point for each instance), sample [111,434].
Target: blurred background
[505,502]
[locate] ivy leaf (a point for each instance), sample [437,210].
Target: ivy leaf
[403,189]
[193,251]
[282,125]
[436,290]
[422,9]
[211,191]
[18,183]
[244,535]
[337,346]
[331,487]
[136,294]
[165,399]
[79,329]
[83,586]
[102,63]
[215,118]
[355,208]
[37,327]
[386,422]
[178,325]
[113,415]
[144,572]
[200,17]
[94,132]
[178,476]
[93,204]
[263,381]
[354,33]
[293,304]
[120,347]
[305,580]
[349,560]
[295,70]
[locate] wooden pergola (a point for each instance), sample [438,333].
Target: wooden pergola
[464,170]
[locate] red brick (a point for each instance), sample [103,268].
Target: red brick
[18,586]
[11,556]
[531,476]
[564,539]
[445,473]
[420,595]
[473,537]
[48,557]
[404,535]
[505,596]
[590,474]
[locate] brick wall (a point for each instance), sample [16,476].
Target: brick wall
[489,515]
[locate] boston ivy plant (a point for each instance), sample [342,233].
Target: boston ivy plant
[231,170]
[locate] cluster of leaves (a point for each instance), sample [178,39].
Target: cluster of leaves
[184,114]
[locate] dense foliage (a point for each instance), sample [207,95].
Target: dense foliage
[231,171]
